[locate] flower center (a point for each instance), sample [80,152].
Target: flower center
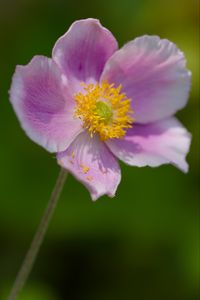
[104,110]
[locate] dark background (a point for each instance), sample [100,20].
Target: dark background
[141,245]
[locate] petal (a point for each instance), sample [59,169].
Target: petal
[43,104]
[162,142]
[153,74]
[91,162]
[83,50]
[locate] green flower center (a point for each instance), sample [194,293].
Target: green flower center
[104,111]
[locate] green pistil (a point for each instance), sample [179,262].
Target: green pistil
[104,111]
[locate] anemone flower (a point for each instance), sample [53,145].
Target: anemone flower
[92,104]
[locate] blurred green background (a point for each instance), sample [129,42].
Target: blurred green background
[143,244]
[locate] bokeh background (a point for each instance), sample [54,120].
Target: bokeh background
[143,244]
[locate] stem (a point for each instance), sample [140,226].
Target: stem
[31,255]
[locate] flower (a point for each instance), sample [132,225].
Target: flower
[93,104]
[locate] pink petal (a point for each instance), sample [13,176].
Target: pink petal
[91,162]
[83,50]
[153,74]
[43,104]
[162,142]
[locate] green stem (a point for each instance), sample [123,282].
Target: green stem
[31,255]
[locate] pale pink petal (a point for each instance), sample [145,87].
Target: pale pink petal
[153,74]
[43,104]
[82,52]
[162,142]
[92,163]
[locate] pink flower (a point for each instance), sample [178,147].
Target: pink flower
[93,104]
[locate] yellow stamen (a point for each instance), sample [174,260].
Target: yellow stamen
[104,109]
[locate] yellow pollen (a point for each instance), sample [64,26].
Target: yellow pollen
[89,178]
[104,110]
[73,154]
[85,169]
